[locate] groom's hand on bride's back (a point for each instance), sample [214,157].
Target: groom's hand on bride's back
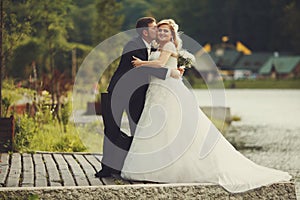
[181,70]
[176,74]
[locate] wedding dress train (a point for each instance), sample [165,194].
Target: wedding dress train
[169,140]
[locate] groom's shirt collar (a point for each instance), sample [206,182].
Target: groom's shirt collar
[146,43]
[148,46]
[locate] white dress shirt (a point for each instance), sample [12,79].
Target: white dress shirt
[148,46]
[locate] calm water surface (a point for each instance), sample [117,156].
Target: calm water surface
[276,108]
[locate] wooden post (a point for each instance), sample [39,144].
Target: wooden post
[34,79]
[74,64]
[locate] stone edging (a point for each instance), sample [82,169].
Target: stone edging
[149,191]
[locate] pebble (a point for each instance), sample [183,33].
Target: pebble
[272,147]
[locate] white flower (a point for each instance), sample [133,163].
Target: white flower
[154,44]
[185,58]
[184,53]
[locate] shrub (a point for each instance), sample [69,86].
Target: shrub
[65,114]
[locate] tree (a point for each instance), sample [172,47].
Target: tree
[108,21]
[51,24]
[83,14]
[162,9]
[133,10]
[290,22]
[12,30]
[262,25]
[16,27]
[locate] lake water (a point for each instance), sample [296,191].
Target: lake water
[277,108]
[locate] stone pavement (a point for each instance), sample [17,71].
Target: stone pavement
[148,191]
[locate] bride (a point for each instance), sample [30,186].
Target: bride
[170,135]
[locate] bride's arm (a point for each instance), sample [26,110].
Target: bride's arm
[160,62]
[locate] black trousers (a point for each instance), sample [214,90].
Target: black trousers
[116,143]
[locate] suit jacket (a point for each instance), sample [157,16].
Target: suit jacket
[132,83]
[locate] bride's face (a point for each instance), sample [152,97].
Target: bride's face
[164,33]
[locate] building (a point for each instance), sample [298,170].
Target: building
[248,66]
[226,55]
[281,67]
[253,62]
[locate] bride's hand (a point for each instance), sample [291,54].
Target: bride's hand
[136,61]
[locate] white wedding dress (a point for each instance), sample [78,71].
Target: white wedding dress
[169,143]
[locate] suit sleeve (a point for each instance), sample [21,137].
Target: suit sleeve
[132,49]
[125,64]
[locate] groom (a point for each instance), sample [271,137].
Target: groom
[126,92]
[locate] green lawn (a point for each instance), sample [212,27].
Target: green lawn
[251,84]
[265,84]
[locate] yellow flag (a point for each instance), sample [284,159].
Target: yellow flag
[207,47]
[242,48]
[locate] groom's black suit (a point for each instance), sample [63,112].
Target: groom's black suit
[126,92]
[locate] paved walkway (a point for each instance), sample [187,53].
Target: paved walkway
[52,169]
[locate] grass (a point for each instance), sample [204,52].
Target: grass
[51,138]
[90,137]
[221,125]
[265,84]
[32,136]
[250,84]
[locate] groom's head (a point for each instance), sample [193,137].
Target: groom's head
[146,28]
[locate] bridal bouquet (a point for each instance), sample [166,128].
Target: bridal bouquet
[185,59]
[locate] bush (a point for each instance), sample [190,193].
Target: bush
[65,114]
[24,132]
[36,134]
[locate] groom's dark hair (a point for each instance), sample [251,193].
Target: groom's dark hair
[143,23]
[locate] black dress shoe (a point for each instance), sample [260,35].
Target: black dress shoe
[115,172]
[116,176]
[103,174]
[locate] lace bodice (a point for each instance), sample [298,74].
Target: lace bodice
[172,62]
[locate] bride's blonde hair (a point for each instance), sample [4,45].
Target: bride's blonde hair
[174,30]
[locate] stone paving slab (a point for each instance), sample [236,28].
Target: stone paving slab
[49,169]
